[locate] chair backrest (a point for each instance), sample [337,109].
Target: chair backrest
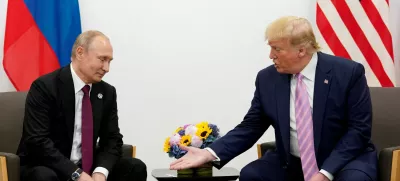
[12,109]
[386,117]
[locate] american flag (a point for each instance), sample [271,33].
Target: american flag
[359,30]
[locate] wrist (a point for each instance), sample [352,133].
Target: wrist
[76,175]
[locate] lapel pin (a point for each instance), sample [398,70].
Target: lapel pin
[326,81]
[100,95]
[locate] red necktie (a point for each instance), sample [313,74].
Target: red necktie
[87,131]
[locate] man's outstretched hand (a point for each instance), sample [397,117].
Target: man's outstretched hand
[192,159]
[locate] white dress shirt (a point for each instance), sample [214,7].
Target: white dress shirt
[76,153]
[309,76]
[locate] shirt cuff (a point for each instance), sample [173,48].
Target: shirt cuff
[102,170]
[213,153]
[327,174]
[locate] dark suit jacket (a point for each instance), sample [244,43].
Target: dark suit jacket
[342,116]
[49,124]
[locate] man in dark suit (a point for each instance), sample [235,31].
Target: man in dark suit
[319,106]
[66,112]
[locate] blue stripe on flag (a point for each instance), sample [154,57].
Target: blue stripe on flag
[60,23]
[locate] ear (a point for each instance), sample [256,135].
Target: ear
[79,52]
[302,52]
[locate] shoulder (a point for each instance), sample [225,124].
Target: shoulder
[339,63]
[47,82]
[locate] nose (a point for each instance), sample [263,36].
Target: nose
[106,66]
[271,55]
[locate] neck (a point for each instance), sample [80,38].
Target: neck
[79,73]
[304,62]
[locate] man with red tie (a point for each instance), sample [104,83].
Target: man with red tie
[319,106]
[66,112]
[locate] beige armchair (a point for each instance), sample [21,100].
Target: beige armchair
[385,132]
[12,105]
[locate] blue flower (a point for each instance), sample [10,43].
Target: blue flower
[215,130]
[181,132]
[177,152]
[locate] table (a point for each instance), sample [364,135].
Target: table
[224,174]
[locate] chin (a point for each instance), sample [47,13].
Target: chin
[96,80]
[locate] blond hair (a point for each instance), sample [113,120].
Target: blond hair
[85,39]
[297,30]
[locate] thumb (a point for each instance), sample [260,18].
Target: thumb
[183,147]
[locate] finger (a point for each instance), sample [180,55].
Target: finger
[176,166]
[177,161]
[183,165]
[183,147]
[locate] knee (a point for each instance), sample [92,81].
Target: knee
[248,173]
[135,164]
[43,173]
[352,175]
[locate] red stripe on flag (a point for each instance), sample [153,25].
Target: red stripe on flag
[362,42]
[379,25]
[27,54]
[329,35]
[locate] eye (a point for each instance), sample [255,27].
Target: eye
[102,59]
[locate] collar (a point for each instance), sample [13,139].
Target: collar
[78,83]
[310,69]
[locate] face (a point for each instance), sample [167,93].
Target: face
[94,62]
[286,58]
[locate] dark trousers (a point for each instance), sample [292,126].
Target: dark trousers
[269,168]
[126,169]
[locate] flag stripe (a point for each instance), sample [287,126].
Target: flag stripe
[26,52]
[329,35]
[373,38]
[383,8]
[378,23]
[38,38]
[60,23]
[345,38]
[362,42]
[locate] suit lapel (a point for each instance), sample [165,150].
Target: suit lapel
[282,92]
[321,92]
[96,98]
[67,93]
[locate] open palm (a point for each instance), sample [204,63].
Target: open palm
[193,158]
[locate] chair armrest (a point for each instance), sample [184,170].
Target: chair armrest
[264,147]
[9,167]
[389,163]
[128,151]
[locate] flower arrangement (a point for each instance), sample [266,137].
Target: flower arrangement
[198,135]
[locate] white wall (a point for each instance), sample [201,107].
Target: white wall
[184,61]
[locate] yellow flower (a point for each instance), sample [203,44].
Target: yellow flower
[204,132]
[178,129]
[202,125]
[186,140]
[166,145]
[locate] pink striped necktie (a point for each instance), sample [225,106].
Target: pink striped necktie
[304,124]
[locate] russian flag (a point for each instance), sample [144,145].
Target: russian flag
[39,35]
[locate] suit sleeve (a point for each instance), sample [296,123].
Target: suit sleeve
[359,116]
[244,135]
[36,129]
[110,144]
